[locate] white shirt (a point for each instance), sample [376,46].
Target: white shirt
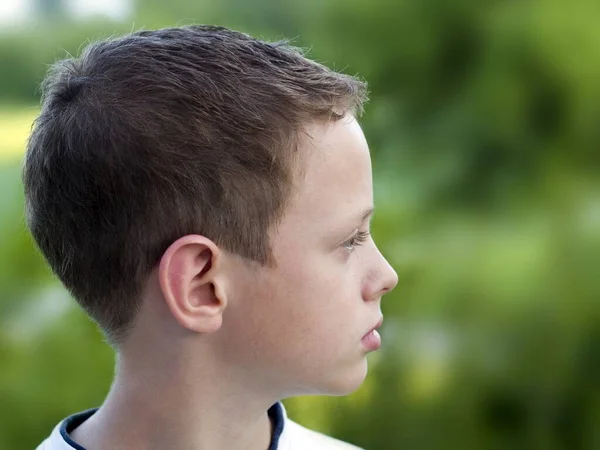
[287,434]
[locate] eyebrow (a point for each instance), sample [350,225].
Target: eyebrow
[367,213]
[359,218]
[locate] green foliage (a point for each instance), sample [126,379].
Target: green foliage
[483,127]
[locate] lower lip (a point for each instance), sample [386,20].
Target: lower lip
[372,340]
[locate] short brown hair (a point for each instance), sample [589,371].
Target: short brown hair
[159,134]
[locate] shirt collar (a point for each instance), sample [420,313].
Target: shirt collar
[276,413]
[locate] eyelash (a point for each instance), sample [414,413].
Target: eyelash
[356,240]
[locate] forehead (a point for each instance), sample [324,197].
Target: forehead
[336,178]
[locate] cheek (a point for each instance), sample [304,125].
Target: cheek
[317,298]
[306,308]
[299,326]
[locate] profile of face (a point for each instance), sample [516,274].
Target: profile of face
[299,324]
[296,326]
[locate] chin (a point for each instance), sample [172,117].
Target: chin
[346,380]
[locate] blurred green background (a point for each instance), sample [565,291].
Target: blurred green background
[484,124]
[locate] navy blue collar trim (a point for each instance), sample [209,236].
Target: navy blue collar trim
[276,415]
[70,423]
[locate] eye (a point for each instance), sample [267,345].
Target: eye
[356,240]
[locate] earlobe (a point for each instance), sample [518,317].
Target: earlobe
[188,277]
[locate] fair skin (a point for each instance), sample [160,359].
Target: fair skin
[219,339]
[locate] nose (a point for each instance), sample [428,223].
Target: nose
[383,278]
[389,277]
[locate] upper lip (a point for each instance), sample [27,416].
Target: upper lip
[377,325]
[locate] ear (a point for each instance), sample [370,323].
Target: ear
[191,288]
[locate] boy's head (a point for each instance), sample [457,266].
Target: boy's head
[192,180]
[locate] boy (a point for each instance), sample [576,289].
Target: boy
[206,198]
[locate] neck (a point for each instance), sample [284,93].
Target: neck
[177,403]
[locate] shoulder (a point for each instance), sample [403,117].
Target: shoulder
[303,438]
[46,445]
[59,439]
[54,442]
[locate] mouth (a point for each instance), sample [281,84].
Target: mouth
[372,340]
[376,326]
